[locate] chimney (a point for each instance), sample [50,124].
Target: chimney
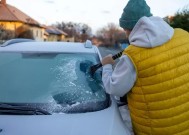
[3,2]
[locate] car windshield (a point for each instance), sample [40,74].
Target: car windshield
[51,81]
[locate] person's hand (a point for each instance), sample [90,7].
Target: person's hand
[107,60]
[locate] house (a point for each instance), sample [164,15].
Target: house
[15,20]
[54,34]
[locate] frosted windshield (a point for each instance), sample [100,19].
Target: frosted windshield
[53,79]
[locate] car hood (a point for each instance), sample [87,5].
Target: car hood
[104,122]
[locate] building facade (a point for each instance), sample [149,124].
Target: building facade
[14,20]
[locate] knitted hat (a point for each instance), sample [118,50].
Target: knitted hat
[134,10]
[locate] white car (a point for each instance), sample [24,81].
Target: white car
[43,91]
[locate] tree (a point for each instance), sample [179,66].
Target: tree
[79,31]
[86,32]
[110,34]
[181,19]
[24,32]
[5,34]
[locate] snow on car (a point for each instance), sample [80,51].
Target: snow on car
[45,92]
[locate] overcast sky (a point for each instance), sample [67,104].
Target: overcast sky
[95,13]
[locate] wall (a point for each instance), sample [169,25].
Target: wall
[38,32]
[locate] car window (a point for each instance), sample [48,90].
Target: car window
[52,81]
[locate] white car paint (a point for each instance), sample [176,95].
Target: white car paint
[104,122]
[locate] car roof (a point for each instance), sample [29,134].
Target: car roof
[49,47]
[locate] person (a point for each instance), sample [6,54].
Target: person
[153,72]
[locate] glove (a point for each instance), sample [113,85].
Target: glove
[107,60]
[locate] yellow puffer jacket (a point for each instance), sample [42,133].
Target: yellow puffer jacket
[159,100]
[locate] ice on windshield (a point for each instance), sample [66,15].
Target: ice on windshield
[56,79]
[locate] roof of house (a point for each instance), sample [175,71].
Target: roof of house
[54,30]
[10,13]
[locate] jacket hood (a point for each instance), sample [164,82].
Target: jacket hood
[150,32]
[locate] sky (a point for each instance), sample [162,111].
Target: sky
[95,13]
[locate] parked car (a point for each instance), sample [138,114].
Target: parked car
[43,91]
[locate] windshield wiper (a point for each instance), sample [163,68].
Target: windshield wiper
[11,109]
